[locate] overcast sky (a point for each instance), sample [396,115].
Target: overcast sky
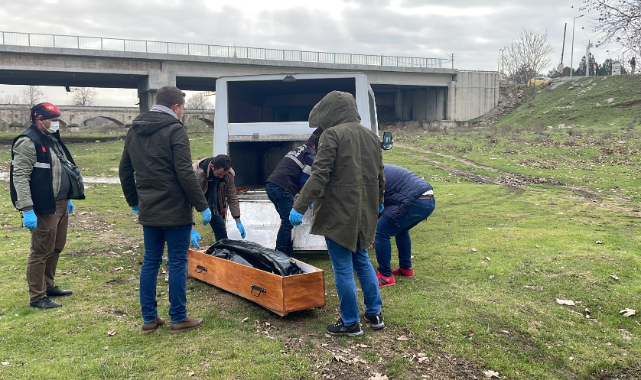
[473,30]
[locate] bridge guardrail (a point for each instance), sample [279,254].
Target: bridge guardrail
[158,47]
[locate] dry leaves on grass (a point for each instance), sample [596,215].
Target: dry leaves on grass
[490,374]
[565,302]
[379,376]
[628,312]
[111,333]
[402,337]
[614,276]
[191,373]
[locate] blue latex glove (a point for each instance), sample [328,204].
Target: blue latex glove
[310,206]
[295,217]
[30,220]
[206,216]
[195,236]
[380,208]
[70,206]
[134,209]
[241,229]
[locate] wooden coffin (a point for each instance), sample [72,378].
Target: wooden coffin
[282,295]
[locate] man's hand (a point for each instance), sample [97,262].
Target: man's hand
[70,206]
[134,209]
[241,229]
[206,213]
[295,217]
[30,220]
[195,236]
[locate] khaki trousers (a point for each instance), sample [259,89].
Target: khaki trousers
[47,241]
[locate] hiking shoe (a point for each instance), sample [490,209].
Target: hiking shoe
[186,325]
[152,326]
[409,273]
[44,303]
[384,280]
[57,292]
[376,320]
[339,328]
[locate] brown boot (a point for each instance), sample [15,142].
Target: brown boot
[186,325]
[153,326]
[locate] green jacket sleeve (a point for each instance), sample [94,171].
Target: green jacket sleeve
[127,179]
[321,171]
[381,182]
[24,157]
[184,170]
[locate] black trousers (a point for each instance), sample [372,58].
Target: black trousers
[217,224]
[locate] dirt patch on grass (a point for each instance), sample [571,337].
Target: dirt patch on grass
[394,351]
[518,180]
[627,373]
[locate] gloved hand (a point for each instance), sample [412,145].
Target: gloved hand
[295,217]
[134,209]
[70,206]
[206,213]
[30,220]
[241,229]
[310,206]
[195,236]
[380,208]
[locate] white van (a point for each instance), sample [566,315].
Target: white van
[258,120]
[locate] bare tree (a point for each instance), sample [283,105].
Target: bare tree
[198,101]
[618,21]
[84,96]
[31,95]
[526,57]
[10,99]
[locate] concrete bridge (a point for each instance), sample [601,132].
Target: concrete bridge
[406,88]
[77,116]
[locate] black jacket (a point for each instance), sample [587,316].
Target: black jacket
[156,173]
[41,182]
[288,172]
[402,187]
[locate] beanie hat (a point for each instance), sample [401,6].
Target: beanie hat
[46,110]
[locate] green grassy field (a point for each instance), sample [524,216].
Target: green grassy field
[490,263]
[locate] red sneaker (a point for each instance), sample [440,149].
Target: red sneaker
[409,273]
[385,281]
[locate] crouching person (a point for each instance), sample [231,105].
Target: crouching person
[286,180]
[43,179]
[409,200]
[160,186]
[346,188]
[216,179]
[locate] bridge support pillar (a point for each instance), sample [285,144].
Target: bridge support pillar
[148,87]
[441,103]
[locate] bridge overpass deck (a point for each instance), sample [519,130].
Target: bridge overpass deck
[148,65]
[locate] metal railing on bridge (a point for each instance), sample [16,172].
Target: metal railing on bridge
[157,47]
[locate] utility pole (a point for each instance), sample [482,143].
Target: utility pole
[572,52]
[452,60]
[561,66]
[587,59]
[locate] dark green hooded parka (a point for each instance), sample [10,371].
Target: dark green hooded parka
[348,178]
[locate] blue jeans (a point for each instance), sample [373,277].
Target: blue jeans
[418,212]
[344,263]
[177,238]
[218,226]
[283,201]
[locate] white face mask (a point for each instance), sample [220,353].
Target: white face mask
[53,127]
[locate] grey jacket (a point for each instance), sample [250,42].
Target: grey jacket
[24,157]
